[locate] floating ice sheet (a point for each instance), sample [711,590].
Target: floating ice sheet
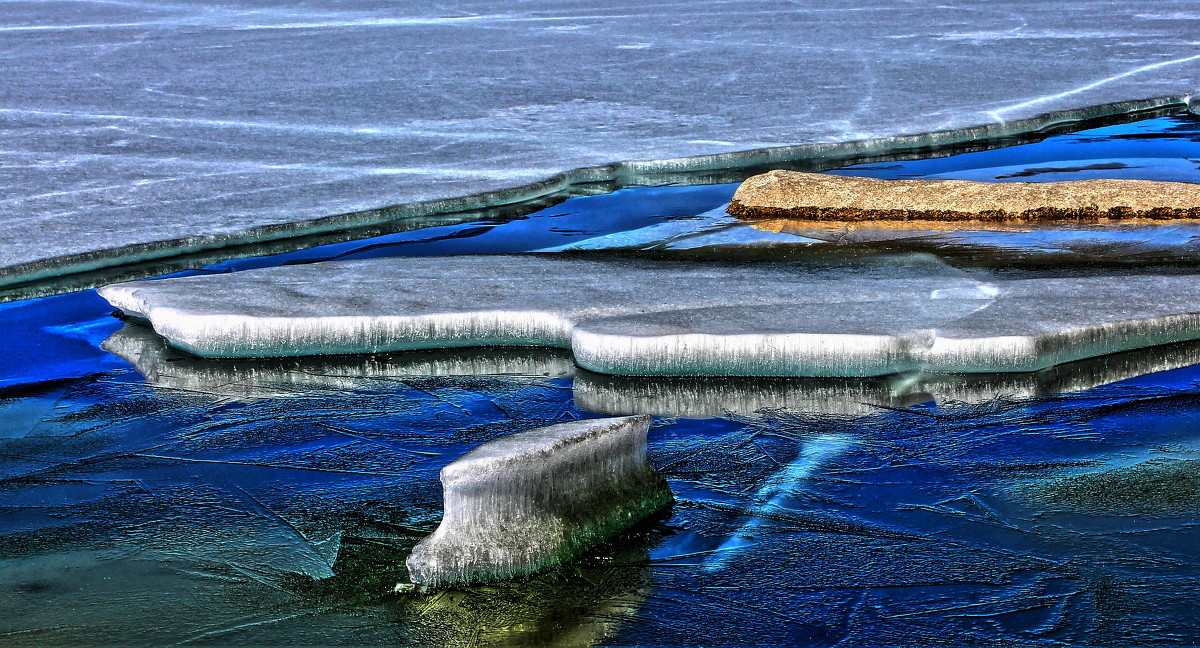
[691,219]
[181,123]
[632,316]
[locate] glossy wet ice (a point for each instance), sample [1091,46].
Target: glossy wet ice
[274,502]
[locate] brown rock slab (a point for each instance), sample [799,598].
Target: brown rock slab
[821,197]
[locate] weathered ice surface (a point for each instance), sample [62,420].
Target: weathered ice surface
[645,317]
[131,123]
[1162,484]
[164,366]
[525,502]
[820,197]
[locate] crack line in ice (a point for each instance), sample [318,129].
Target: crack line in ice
[774,494]
[996,114]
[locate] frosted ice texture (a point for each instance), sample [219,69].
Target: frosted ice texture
[647,317]
[532,500]
[135,124]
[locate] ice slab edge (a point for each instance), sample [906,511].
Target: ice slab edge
[686,397]
[533,500]
[671,318]
[620,174]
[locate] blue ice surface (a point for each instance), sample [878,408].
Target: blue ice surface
[284,518]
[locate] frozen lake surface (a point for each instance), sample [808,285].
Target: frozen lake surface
[274,502]
[126,123]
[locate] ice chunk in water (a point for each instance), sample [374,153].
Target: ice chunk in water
[529,501]
[673,318]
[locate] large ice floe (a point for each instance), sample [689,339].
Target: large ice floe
[163,128]
[533,500]
[633,316]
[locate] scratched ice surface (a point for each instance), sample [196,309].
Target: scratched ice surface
[134,122]
[147,497]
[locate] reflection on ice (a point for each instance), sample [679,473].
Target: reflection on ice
[581,605]
[1173,242]
[704,397]
[684,397]
[164,366]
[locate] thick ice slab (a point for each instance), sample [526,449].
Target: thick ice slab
[135,124]
[533,500]
[646,317]
[701,397]
[164,366]
[687,397]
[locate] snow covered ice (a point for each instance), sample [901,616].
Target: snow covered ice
[646,317]
[133,130]
[533,500]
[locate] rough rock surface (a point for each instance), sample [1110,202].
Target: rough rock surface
[533,500]
[820,197]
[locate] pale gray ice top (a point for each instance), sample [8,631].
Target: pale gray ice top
[135,123]
[630,316]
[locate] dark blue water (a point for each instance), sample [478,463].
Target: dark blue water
[254,503]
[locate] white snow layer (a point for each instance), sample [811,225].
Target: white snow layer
[138,124]
[629,316]
[532,500]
